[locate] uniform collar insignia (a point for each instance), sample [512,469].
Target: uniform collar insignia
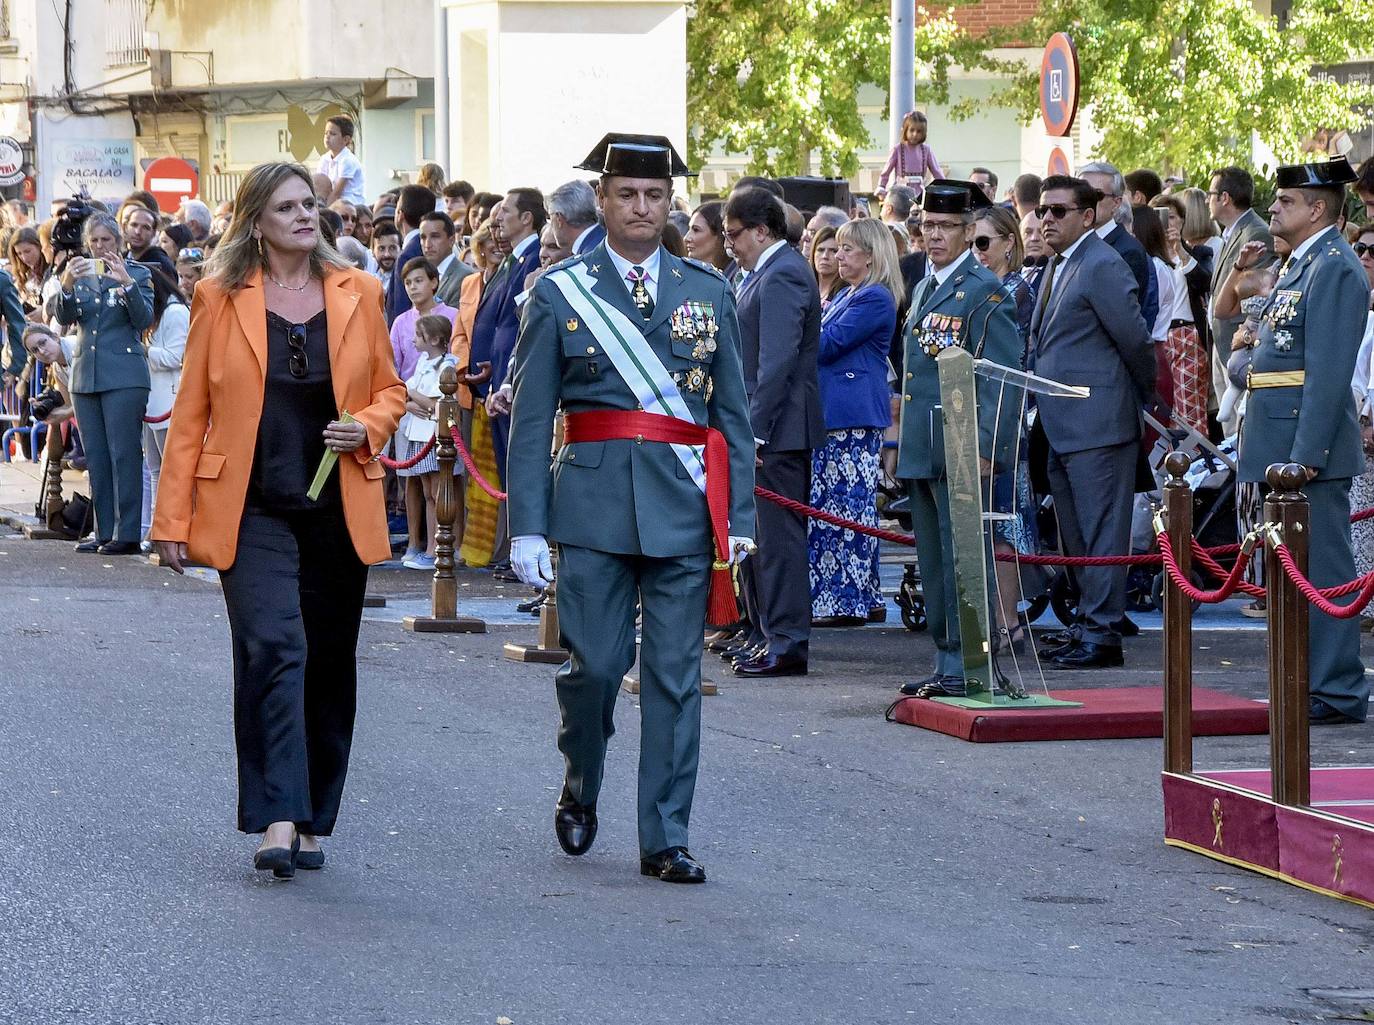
[676,273]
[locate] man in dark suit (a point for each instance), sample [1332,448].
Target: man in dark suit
[1088,330]
[415,201]
[1113,227]
[575,218]
[522,219]
[438,235]
[1230,196]
[780,333]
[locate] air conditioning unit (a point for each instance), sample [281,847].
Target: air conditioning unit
[160,69]
[381,94]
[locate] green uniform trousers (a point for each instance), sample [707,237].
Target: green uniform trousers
[929,502]
[598,596]
[1335,672]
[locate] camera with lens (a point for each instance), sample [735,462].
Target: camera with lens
[45,404]
[66,230]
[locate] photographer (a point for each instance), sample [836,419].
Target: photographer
[111,305]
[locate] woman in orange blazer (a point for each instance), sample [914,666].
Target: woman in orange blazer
[285,339]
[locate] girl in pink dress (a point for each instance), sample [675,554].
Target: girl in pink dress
[912,158]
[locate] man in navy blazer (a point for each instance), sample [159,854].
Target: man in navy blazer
[522,219]
[575,217]
[1087,329]
[1113,216]
[415,201]
[779,316]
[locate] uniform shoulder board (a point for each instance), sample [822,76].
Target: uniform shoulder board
[566,263]
[702,266]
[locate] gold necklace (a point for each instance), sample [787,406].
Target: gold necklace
[289,288]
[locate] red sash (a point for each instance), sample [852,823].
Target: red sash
[636,425]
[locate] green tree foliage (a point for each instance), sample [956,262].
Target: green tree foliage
[779,80]
[1181,84]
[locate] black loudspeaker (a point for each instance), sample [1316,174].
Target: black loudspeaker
[806,193]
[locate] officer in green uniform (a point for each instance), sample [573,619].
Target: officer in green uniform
[633,347]
[959,303]
[1315,318]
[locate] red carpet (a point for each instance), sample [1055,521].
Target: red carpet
[1107,714]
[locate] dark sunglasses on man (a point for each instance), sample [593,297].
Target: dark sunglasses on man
[1056,210]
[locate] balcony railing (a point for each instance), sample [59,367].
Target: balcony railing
[125,21]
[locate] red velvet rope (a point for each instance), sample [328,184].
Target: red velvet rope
[1204,557]
[1320,597]
[1230,584]
[477,477]
[393,464]
[158,419]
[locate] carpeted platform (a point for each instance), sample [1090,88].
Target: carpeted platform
[1106,714]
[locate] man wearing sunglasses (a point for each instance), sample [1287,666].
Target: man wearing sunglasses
[959,303]
[1087,329]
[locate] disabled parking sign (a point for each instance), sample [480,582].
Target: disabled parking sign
[1059,85]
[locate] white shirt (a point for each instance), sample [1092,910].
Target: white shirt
[1103,230]
[523,246]
[1064,256]
[1183,307]
[1164,279]
[1301,251]
[577,242]
[1359,383]
[767,254]
[649,266]
[942,274]
[444,264]
[344,167]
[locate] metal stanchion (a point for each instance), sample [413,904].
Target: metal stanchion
[1290,764]
[444,616]
[1178,622]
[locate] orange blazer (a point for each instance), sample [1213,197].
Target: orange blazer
[214,428]
[460,342]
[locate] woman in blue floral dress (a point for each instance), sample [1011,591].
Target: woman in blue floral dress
[856,331]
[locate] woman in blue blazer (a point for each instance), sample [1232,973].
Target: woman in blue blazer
[856,331]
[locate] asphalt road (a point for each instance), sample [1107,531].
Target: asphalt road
[860,871]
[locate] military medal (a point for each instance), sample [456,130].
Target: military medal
[571,324]
[1283,340]
[699,349]
[696,379]
[710,387]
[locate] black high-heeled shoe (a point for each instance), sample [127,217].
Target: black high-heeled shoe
[281,861]
[310,861]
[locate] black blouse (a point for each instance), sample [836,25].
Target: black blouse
[295,412]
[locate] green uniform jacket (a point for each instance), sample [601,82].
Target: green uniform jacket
[973,310]
[622,496]
[110,321]
[1314,321]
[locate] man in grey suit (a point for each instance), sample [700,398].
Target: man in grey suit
[780,337]
[575,218]
[1314,317]
[437,237]
[1088,330]
[1229,199]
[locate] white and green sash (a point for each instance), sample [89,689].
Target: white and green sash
[633,358]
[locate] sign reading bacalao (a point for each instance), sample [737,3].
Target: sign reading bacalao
[104,166]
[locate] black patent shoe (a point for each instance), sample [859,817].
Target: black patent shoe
[575,825]
[1319,713]
[1088,655]
[675,865]
[280,861]
[120,548]
[91,544]
[944,687]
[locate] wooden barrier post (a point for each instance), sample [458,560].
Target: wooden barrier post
[48,509]
[1178,622]
[1289,752]
[444,616]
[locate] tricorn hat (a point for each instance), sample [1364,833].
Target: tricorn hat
[951,196]
[1327,174]
[635,156]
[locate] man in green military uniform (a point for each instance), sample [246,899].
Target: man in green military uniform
[959,303]
[1315,317]
[650,498]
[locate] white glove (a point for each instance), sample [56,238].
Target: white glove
[740,549]
[529,557]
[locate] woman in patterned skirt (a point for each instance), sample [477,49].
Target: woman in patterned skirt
[856,331]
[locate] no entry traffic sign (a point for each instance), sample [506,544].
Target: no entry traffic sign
[170,180]
[1059,85]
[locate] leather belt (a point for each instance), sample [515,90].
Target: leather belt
[1274,379]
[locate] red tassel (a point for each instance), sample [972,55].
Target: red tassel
[722,610]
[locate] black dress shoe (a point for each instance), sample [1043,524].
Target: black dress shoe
[531,605]
[837,621]
[750,654]
[311,861]
[575,825]
[675,865]
[723,640]
[944,687]
[1319,713]
[913,687]
[1088,655]
[280,861]
[119,548]
[90,545]
[1058,638]
[772,665]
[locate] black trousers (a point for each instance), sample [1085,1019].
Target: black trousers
[295,602]
[777,578]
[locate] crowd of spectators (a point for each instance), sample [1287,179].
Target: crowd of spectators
[95,336]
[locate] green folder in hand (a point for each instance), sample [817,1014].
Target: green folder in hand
[327,463]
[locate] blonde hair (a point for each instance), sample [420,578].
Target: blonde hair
[872,236]
[431,176]
[479,238]
[1197,219]
[238,254]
